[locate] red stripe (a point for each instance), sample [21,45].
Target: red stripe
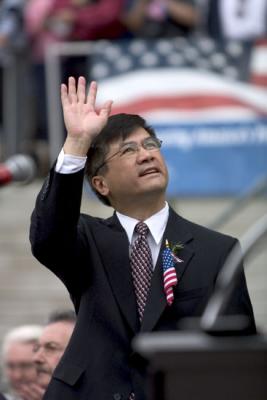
[170,274]
[169,291]
[259,80]
[170,285]
[190,102]
[169,297]
[261,42]
[169,278]
[170,271]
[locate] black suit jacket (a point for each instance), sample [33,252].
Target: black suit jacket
[91,257]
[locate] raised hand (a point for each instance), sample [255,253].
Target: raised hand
[81,119]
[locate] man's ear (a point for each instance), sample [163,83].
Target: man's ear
[100,185]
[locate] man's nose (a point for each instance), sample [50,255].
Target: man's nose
[144,154]
[38,356]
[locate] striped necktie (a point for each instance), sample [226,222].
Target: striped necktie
[142,266]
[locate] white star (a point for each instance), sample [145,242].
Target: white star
[149,59]
[164,47]
[137,47]
[100,71]
[113,52]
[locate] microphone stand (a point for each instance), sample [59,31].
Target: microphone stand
[211,320]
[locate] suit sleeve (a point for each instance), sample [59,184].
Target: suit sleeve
[55,235]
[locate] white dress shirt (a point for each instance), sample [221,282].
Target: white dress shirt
[156,224]
[67,164]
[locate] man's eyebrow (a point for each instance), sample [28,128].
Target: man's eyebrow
[127,142]
[50,342]
[46,343]
[133,141]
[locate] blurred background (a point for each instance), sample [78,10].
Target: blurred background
[196,70]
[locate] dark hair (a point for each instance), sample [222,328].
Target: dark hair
[119,126]
[62,316]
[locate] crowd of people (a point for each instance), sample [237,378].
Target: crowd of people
[30,354]
[34,24]
[40,23]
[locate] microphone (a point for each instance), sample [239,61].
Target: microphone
[17,168]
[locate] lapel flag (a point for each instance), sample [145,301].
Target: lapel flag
[169,274]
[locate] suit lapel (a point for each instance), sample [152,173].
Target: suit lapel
[117,266]
[176,231]
[113,247]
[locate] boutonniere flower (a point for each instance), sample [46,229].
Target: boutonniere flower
[169,257]
[175,250]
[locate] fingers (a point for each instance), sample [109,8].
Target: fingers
[72,89]
[91,98]
[69,93]
[64,95]
[81,89]
[106,109]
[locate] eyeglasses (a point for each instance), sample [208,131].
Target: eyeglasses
[130,149]
[22,366]
[48,348]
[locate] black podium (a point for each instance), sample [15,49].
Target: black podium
[198,366]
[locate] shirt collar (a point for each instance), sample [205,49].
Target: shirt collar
[156,223]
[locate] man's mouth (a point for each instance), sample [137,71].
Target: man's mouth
[43,371]
[149,171]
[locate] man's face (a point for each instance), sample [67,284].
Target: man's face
[52,344]
[19,367]
[130,177]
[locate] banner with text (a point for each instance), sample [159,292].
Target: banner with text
[206,100]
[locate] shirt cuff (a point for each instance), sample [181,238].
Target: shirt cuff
[69,164]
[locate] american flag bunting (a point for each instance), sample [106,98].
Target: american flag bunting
[206,99]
